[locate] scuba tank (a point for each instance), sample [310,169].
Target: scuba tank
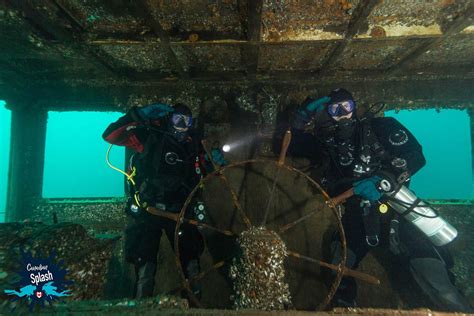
[417,212]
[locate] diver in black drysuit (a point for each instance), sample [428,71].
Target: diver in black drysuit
[169,162]
[352,153]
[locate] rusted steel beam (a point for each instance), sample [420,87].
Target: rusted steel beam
[357,23]
[50,31]
[251,50]
[142,9]
[456,27]
[69,14]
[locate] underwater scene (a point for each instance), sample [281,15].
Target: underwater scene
[247,157]
[81,189]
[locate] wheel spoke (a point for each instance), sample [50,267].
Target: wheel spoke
[200,276]
[346,271]
[174,217]
[235,200]
[204,273]
[299,220]
[264,221]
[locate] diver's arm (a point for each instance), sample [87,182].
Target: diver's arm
[405,152]
[303,144]
[123,132]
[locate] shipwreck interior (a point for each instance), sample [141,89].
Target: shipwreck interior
[241,66]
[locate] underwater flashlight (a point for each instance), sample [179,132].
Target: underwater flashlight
[226,148]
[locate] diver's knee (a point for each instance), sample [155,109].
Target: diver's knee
[432,276]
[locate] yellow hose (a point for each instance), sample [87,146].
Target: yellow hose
[129,176]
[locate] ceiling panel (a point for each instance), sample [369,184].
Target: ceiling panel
[138,57]
[374,54]
[209,57]
[305,19]
[294,56]
[208,20]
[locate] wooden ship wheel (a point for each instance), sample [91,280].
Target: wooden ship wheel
[268,255]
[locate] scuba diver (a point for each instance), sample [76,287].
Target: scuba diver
[167,164]
[358,155]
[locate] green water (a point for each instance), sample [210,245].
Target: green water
[446,141]
[75,156]
[5,122]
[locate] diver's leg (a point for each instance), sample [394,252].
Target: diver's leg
[429,267]
[145,280]
[191,246]
[357,248]
[142,240]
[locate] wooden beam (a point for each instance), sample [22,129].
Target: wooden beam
[357,23]
[457,26]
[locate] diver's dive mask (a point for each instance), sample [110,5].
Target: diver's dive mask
[341,108]
[180,125]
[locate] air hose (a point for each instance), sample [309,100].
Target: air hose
[130,176]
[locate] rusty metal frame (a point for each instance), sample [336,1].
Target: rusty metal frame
[358,19]
[456,27]
[219,172]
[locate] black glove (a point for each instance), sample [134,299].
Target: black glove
[154,111]
[306,111]
[394,237]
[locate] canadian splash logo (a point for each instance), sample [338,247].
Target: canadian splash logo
[41,280]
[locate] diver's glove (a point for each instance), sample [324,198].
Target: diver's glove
[154,111]
[217,157]
[307,110]
[368,189]
[394,237]
[315,106]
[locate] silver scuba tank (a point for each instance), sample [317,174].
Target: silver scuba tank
[401,199]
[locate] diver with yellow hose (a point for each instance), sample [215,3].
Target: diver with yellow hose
[167,164]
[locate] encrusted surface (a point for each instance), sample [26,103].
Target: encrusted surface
[104,16]
[305,20]
[96,216]
[208,57]
[456,51]
[373,54]
[294,56]
[182,17]
[92,43]
[140,57]
[259,273]
[85,257]
[407,18]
